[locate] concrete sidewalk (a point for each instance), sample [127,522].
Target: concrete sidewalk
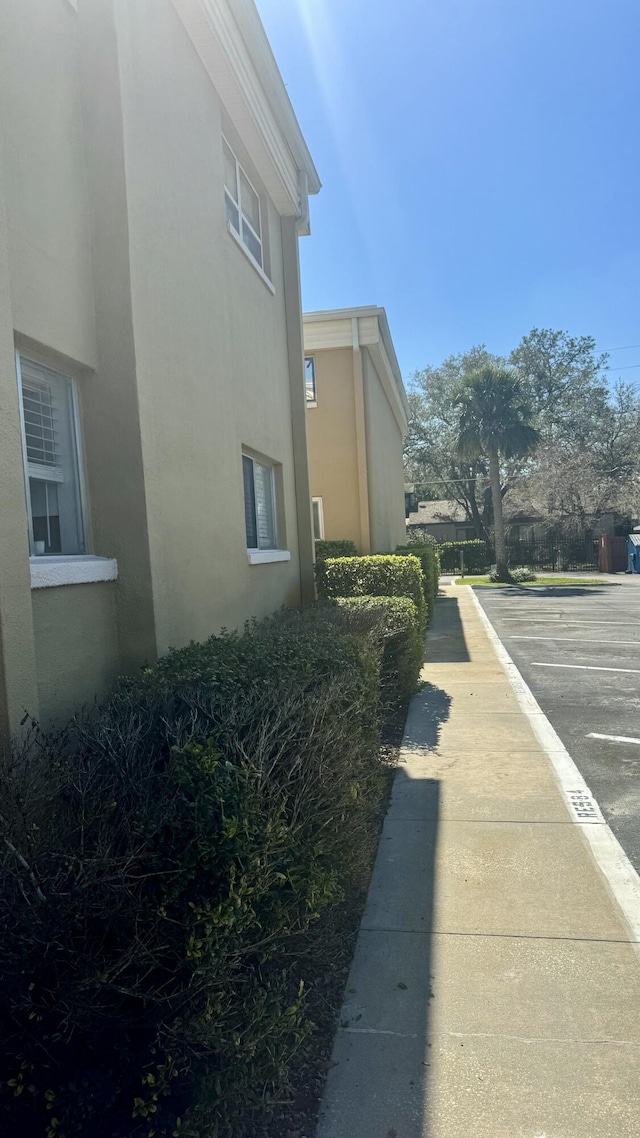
[495,989]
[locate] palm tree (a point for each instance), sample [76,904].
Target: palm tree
[496,420]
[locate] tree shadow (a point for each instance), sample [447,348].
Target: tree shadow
[548,590]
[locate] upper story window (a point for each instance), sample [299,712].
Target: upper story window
[318,519]
[310,380]
[259,504]
[51,452]
[242,205]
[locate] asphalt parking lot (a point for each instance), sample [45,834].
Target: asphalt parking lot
[578,649]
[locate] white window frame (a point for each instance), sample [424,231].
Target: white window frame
[311,402]
[76,458]
[62,568]
[318,502]
[242,217]
[255,554]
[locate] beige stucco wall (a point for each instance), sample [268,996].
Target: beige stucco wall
[212,367]
[116,266]
[77,655]
[331,434]
[384,465]
[45,176]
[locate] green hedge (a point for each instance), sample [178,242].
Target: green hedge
[429,558]
[325,549]
[172,868]
[398,623]
[381,575]
[476,555]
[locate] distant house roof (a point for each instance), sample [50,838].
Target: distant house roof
[437,513]
[445,512]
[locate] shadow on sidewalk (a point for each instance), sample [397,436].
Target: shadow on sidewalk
[445,643]
[428,711]
[379,1085]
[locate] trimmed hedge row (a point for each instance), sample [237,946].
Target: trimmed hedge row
[172,869]
[476,555]
[325,549]
[429,558]
[398,624]
[381,575]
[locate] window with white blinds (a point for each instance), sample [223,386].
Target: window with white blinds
[51,460]
[242,204]
[259,504]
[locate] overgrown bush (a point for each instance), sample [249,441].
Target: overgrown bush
[417,535]
[170,867]
[325,549]
[429,558]
[476,555]
[398,624]
[381,575]
[523,573]
[519,576]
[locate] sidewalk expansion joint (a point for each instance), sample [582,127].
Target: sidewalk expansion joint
[537,1039]
[378,1031]
[501,821]
[431,932]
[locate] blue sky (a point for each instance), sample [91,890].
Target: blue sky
[480,162]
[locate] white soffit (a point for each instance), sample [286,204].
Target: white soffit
[334,329]
[243,71]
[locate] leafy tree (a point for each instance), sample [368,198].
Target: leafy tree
[431,458]
[588,462]
[574,484]
[495,420]
[564,379]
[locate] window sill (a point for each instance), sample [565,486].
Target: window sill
[264,556]
[311,405]
[47,572]
[252,261]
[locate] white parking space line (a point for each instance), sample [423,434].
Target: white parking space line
[619,873]
[613,738]
[584,667]
[568,620]
[578,640]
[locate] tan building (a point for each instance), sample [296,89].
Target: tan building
[153,185]
[357,415]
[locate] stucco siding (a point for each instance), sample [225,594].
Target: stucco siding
[77,657]
[117,268]
[210,337]
[384,465]
[45,176]
[331,434]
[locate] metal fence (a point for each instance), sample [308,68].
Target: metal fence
[554,554]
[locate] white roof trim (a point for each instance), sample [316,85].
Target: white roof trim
[235,52]
[332,328]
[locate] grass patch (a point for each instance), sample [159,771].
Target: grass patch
[540,581]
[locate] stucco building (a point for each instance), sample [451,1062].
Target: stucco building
[154,487]
[357,415]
